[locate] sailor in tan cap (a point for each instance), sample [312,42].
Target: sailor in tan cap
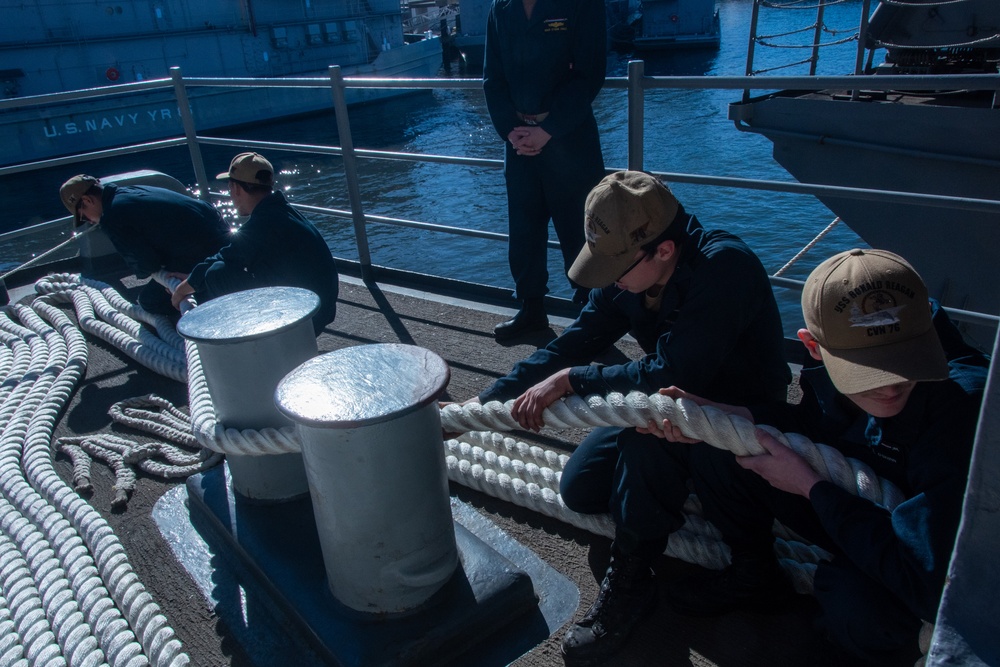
[276,246]
[700,305]
[898,390]
[152,228]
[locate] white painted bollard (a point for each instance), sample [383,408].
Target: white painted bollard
[247,342]
[370,429]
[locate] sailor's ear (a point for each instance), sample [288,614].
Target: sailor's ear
[812,345]
[666,250]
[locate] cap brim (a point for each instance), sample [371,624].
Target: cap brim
[597,271]
[855,371]
[224,176]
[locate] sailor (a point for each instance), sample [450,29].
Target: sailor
[276,246]
[544,64]
[897,389]
[700,305]
[152,228]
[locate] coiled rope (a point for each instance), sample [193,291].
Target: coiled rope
[151,414]
[70,594]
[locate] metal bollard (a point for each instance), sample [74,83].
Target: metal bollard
[370,430]
[247,342]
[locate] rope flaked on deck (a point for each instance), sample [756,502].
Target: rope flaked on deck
[57,554]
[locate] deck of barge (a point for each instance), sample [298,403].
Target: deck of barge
[461,333]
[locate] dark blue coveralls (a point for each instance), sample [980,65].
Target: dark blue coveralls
[552,64]
[889,567]
[275,247]
[717,333]
[154,228]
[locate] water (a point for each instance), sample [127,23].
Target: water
[686,131]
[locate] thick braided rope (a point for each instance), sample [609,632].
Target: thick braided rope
[163,420]
[72,556]
[46,547]
[710,425]
[151,414]
[215,436]
[102,312]
[159,645]
[482,461]
[105,319]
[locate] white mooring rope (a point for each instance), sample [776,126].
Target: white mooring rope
[71,594]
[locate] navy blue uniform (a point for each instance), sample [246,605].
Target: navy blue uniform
[889,567]
[553,63]
[717,332]
[154,228]
[275,247]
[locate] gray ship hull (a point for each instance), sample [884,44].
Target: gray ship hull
[49,49]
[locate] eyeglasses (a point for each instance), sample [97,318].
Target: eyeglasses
[632,266]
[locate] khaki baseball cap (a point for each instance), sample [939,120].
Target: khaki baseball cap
[249,168]
[868,310]
[626,210]
[72,190]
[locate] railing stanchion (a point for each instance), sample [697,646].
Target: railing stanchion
[190,133]
[817,35]
[351,171]
[636,114]
[862,40]
[754,16]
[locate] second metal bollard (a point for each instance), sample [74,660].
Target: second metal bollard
[370,430]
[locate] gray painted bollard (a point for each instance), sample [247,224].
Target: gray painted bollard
[370,429]
[247,342]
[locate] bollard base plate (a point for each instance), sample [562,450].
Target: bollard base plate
[487,614]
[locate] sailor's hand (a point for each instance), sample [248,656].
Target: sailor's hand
[669,430]
[532,141]
[678,393]
[516,135]
[182,292]
[781,467]
[529,406]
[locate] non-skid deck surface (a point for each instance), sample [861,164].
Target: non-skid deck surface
[462,336]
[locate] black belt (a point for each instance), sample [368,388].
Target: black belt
[532,118]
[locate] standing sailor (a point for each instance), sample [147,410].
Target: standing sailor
[545,63]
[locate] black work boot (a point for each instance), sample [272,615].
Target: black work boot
[627,596]
[530,318]
[751,582]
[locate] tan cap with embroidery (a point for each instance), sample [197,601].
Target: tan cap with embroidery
[623,212]
[869,312]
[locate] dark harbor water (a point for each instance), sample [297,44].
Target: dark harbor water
[685,131]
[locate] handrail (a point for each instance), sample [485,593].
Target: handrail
[636,84]
[881,82]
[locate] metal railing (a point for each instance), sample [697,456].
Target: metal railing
[636,84]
